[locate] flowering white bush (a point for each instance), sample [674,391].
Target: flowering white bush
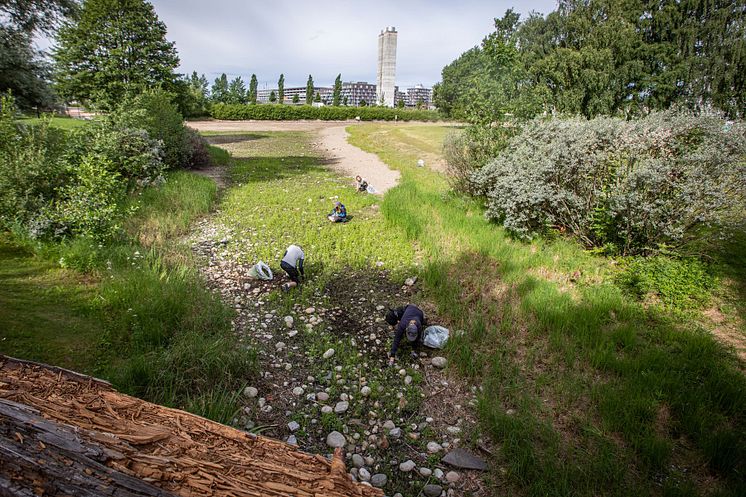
[628,186]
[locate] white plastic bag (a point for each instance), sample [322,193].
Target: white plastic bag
[370,189]
[260,271]
[435,337]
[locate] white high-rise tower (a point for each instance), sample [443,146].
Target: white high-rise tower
[386,67]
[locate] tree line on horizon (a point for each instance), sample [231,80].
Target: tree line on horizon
[603,57]
[108,51]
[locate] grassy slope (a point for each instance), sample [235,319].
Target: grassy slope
[283,196]
[586,392]
[134,311]
[45,311]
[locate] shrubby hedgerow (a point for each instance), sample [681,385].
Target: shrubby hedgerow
[328,113]
[626,186]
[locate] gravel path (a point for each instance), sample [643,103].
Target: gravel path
[332,143]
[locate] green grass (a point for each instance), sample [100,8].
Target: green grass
[45,311]
[586,391]
[166,213]
[282,196]
[145,321]
[66,123]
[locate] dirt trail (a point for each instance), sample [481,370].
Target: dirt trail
[351,161]
[331,142]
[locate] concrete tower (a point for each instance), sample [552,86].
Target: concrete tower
[386,67]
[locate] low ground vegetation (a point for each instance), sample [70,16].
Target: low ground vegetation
[586,391]
[129,305]
[294,112]
[322,347]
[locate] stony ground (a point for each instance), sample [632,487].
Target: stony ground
[324,380]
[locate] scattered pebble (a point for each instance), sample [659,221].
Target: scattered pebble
[250,392]
[407,466]
[328,353]
[358,461]
[439,362]
[336,439]
[293,425]
[365,391]
[379,480]
[341,406]
[431,490]
[322,396]
[452,477]
[434,447]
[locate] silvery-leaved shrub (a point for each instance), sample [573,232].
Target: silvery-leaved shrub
[626,186]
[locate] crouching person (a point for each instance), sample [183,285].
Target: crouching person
[408,322]
[292,264]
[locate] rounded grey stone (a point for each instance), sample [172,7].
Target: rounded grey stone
[335,439]
[432,490]
[379,480]
[439,362]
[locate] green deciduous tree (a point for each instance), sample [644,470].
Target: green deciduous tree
[309,90]
[272,96]
[337,94]
[281,89]
[253,84]
[219,91]
[296,99]
[344,101]
[117,49]
[237,91]
[24,71]
[317,97]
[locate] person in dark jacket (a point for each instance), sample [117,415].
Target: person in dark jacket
[409,322]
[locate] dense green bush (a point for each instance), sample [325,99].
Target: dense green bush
[328,113]
[55,185]
[132,153]
[89,205]
[30,166]
[625,186]
[198,148]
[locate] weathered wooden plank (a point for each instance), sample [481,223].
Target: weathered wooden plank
[39,457]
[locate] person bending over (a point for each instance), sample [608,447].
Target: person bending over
[362,185]
[408,321]
[292,264]
[338,214]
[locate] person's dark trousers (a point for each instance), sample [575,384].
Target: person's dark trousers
[292,272]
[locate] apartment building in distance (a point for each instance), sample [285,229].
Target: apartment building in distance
[419,94]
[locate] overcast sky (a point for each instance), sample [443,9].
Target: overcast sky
[327,37]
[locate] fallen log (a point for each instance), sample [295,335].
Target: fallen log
[62,433]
